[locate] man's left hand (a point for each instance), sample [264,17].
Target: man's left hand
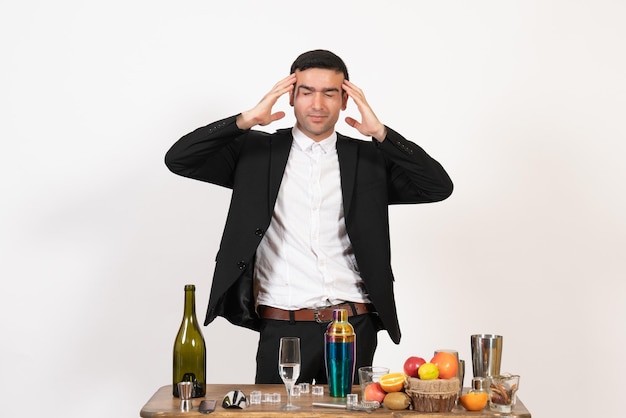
[369,125]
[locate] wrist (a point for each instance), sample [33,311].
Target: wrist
[244,122]
[380,134]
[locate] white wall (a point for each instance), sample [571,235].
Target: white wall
[523,102]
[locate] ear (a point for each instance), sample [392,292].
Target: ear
[344,101]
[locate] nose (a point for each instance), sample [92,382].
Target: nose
[317,101]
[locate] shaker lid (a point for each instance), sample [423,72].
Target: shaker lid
[340,315]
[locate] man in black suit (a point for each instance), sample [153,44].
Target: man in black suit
[307,230]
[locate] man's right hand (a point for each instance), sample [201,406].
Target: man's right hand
[261,114]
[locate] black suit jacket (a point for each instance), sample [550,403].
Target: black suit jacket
[251,163]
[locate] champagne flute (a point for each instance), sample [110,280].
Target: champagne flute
[289,366]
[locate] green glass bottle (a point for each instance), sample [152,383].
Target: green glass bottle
[190,349]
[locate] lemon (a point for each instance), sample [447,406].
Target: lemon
[428,371]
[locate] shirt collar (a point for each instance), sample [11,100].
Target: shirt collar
[305,143]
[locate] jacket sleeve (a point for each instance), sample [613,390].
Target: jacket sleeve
[413,175]
[209,153]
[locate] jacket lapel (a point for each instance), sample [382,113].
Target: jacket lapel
[347,155]
[280,147]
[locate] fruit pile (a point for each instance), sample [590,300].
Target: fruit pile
[443,365]
[390,389]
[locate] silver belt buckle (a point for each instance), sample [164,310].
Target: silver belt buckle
[316,314]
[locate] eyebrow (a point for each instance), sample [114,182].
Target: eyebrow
[313,89]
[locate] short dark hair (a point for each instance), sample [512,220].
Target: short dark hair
[320,58]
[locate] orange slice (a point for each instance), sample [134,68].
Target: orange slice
[392,382]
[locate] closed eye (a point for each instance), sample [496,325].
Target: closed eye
[328,92]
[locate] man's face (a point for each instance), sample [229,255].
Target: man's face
[317,99]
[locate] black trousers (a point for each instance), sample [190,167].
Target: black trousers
[311,336]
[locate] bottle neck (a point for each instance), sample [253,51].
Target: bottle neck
[190,303]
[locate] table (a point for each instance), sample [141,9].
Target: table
[163,404]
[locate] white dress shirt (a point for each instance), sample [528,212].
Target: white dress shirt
[305,259]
